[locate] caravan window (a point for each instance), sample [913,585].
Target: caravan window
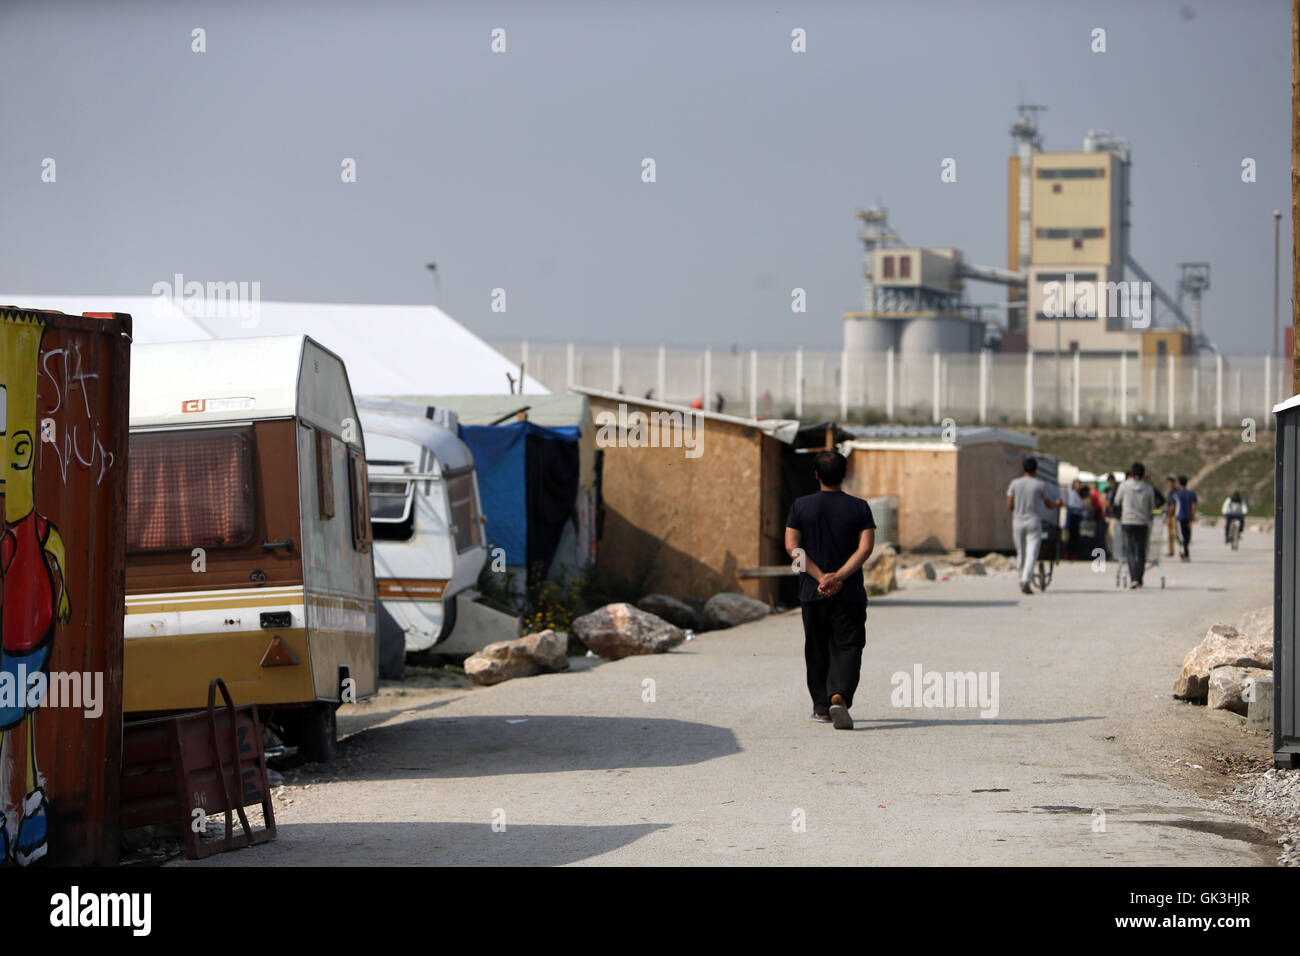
[189,489]
[464,510]
[392,508]
[359,500]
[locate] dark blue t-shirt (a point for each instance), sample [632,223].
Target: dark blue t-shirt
[830,524]
[1183,500]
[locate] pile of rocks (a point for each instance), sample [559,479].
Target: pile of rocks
[1273,796]
[1226,668]
[540,653]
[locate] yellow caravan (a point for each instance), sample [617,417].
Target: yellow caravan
[248,534]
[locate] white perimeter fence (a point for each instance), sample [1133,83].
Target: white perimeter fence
[985,387]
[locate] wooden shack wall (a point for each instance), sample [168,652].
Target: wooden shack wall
[983,473]
[693,521]
[925,483]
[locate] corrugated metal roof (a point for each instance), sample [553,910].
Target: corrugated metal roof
[782,429]
[964,435]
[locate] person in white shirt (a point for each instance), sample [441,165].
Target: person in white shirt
[1234,510]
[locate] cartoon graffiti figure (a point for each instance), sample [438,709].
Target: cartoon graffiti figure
[32,593]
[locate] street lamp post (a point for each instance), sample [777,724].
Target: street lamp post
[1277,231]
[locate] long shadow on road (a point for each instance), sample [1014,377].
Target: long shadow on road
[343,843]
[450,747]
[913,723]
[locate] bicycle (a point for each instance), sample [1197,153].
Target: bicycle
[1234,534]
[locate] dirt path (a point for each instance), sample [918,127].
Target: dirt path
[1088,761]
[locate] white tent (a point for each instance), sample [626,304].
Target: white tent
[388,349]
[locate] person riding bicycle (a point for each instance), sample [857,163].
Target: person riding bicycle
[1234,512]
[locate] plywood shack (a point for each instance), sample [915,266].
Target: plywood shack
[951,485]
[697,505]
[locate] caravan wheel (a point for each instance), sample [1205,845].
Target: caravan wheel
[317,733]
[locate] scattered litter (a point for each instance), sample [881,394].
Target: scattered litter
[1194,766]
[690,635]
[517,720]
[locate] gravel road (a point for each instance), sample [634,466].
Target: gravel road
[1088,761]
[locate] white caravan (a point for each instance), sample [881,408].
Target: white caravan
[426,517]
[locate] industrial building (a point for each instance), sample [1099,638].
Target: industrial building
[1072,283]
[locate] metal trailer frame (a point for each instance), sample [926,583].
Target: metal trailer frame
[1286,576]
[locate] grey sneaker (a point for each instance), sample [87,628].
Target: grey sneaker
[820,718]
[840,717]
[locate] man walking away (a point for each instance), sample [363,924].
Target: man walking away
[1185,513]
[1135,501]
[1234,511]
[1025,495]
[830,535]
[1073,518]
[1171,507]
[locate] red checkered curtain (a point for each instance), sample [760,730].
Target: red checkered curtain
[189,491]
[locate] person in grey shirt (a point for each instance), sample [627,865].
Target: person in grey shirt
[1135,501]
[1028,501]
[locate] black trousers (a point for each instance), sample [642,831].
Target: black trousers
[834,634]
[1135,549]
[1185,535]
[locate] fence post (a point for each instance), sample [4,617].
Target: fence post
[798,382]
[1123,388]
[570,365]
[889,384]
[753,383]
[708,379]
[844,383]
[662,394]
[1076,388]
[1029,387]
[1268,391]
[935,387]
[1172,364]
[1218,390]
[984,386]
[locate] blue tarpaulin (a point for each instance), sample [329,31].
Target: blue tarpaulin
[500,458]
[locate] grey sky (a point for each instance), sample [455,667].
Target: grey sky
[522,170]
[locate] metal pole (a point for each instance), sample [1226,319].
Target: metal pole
[1277,232]
[1076,388]
[798,382]
[935,388]
[1058,366]
[844,383]
[1172,372]
[1123,388]
[753,383]
[1218,391]
[1029,387]
[1268,390]
[984,386]
[708,378]
[662,394]
[570,365]
[618,368]
[889,384]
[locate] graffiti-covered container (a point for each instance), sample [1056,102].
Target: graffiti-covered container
[63,444]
